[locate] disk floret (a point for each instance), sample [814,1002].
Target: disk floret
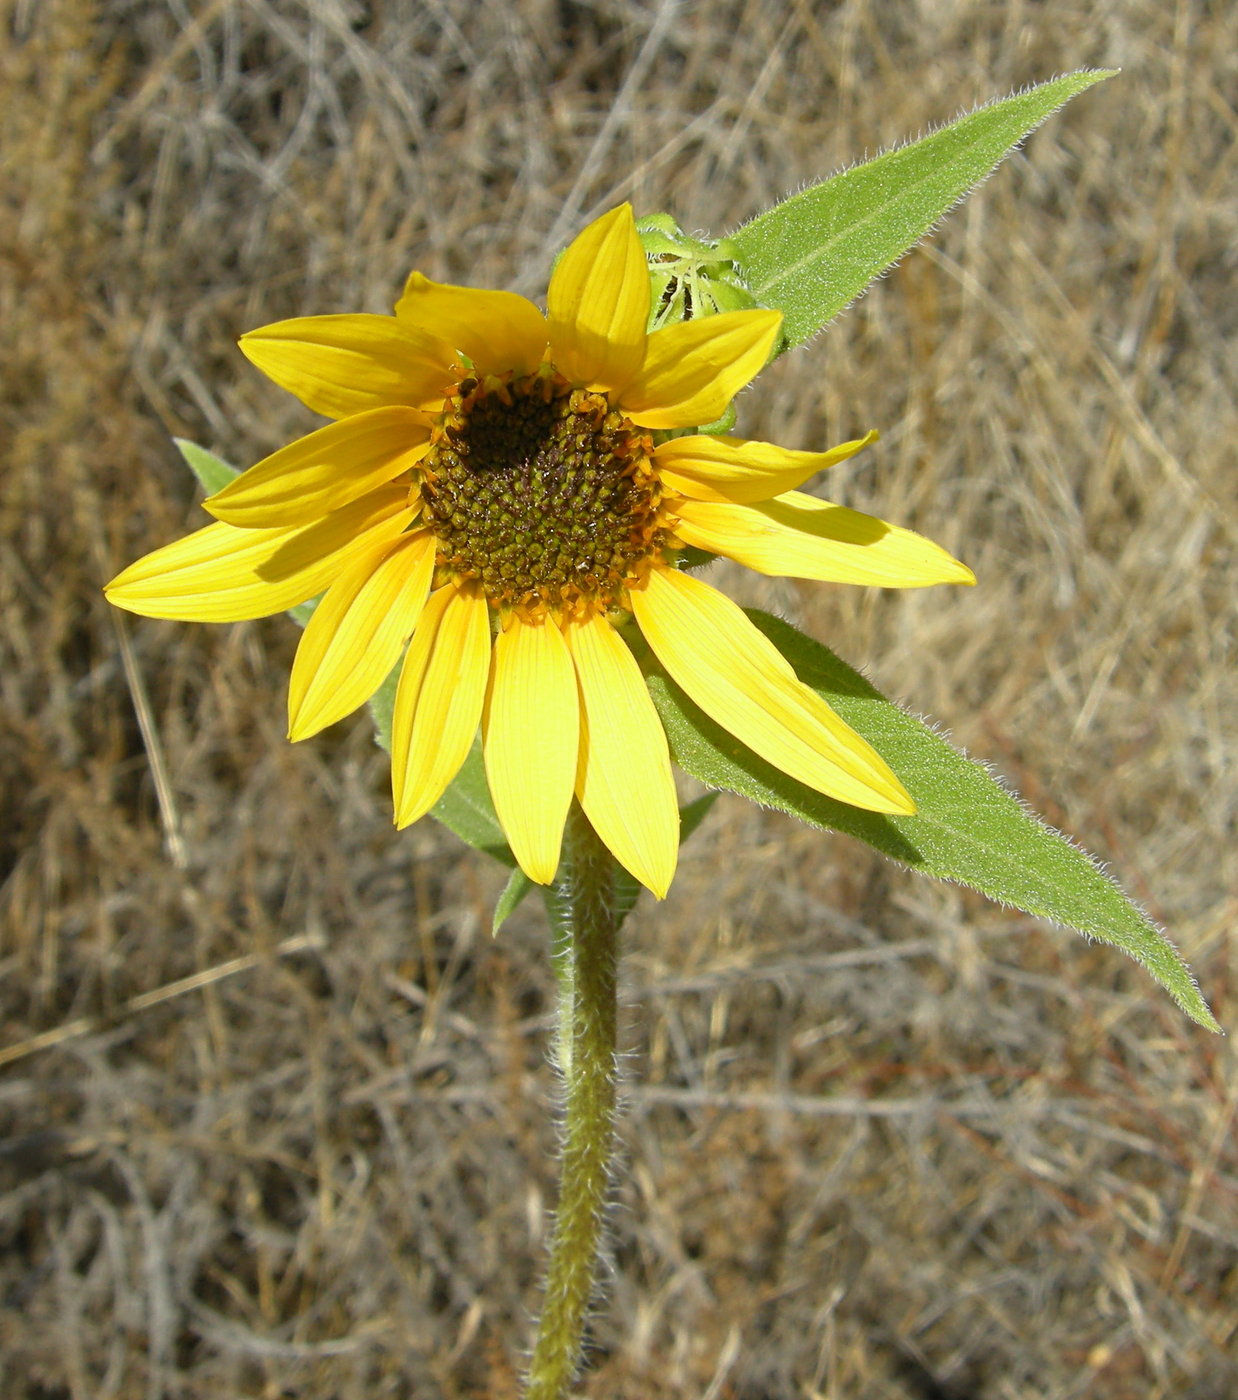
[544,493]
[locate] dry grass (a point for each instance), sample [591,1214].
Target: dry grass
[883,1142]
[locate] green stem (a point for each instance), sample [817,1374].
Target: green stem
[582,910]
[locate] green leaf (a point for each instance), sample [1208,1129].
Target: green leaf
[692,814]
[816,251]
[518,885]
[968,828]
[382,705]
[302,613]
[213,472]
[467,810]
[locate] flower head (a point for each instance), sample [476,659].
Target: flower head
[496,495]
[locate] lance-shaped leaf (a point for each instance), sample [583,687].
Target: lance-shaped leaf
[967,828]
[816,251]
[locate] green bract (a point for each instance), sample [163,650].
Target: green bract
[689,277]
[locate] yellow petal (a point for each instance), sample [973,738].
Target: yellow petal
[324,471]
[598,303]
[693,370]
[709,468]
[224,573]
[799,536]
[498,331]
[357,632]
[530,733]
[339,365]
[439,700]
[741,680]
[623,779]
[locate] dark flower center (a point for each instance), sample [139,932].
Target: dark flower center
[544,493]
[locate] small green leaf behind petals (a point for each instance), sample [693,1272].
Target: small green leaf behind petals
[692,814]
[518,885]
[465,807]
[382,707]
[213,472]
[968,828]
[811,255]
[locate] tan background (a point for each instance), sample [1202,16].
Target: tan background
[883,1141]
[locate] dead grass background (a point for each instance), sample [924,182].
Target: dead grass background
[882,1140]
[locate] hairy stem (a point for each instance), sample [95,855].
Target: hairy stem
[585,921]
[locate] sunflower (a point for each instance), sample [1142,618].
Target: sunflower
[503,500]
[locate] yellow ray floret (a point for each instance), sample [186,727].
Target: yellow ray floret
[358,631]
[737,676]
[692,371]
[708,468]
[326,470]
[799,536]
[598,305]
[338,365]
[623,779]
[530,733]
[500,332]
[224,573]
[439,699]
